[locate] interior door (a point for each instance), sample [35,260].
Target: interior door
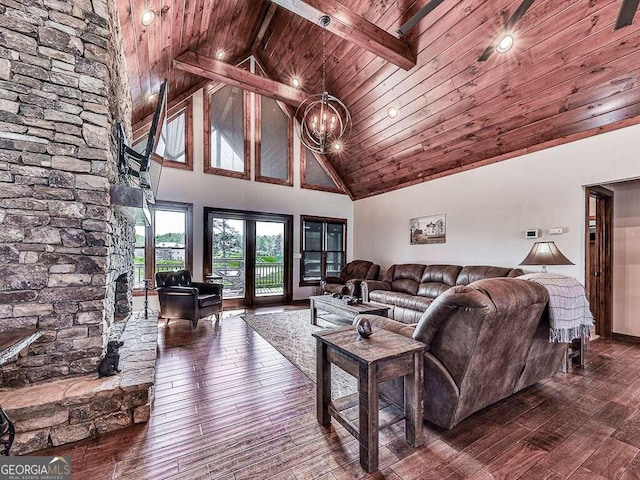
[599,257]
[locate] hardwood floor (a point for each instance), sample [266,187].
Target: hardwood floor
[229,406]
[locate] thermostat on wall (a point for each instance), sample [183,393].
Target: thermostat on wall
[532,233]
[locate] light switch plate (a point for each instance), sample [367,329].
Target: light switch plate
[556,231]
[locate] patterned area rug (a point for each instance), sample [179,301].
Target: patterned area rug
[291,334]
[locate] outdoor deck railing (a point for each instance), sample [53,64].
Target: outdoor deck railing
[139,271]
[269,275]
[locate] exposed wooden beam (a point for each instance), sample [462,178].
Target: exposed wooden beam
[355,29]
[266,21]
[213,69]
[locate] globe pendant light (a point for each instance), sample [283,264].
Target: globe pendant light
[325,122]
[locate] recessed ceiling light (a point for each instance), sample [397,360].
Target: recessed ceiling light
[220,54]
[505,44]
[336,147]
[392,112]
[148,17]
[295,82]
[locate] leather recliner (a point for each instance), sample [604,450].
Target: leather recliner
[181,298]
[351,276]
[485,341]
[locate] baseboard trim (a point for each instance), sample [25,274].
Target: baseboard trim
[625,338]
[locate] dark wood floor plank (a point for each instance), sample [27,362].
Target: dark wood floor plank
[633,470]
[629,431]
[229,406]
[614,414]
[353,470]
[514,461]
[481,475]
[291,457]
[584,474]
[538,472]
[541,414]
[200,473]
[423,459]
[559,427]
[497,441]
[611,459]
[567,456]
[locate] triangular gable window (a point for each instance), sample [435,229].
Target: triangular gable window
[314,175]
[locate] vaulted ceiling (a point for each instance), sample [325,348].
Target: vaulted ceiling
[568,76]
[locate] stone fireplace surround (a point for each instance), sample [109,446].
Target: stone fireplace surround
[63,246]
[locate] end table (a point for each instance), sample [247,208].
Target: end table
[381,357]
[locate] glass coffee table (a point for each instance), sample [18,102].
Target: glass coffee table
[342,309]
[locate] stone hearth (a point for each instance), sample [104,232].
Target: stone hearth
[70,409]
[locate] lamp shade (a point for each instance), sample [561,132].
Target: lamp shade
[545,253]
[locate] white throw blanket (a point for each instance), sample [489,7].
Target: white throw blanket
[569,314]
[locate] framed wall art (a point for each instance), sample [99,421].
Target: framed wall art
[427,230]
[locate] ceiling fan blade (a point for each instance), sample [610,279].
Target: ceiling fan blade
[517,15]
[626,14]
[487,52]
[508,26]
[423,12]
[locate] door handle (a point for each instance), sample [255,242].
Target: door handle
[596,274]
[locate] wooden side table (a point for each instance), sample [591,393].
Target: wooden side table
[383,356]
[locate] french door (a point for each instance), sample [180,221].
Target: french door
[250,253]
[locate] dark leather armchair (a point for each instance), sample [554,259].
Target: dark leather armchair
[348,283]
[181,298]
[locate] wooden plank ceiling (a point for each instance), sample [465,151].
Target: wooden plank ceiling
[568,76]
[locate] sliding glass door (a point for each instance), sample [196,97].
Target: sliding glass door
[251,254]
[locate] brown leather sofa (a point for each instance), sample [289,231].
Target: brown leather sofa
[348,283]
[485,341]
[408,289]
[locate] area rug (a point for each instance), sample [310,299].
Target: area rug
[291,334]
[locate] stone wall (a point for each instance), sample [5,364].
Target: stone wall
[62,245]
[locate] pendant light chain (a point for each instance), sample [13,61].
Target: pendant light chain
[324,59]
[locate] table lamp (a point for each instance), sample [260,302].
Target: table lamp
[545,253]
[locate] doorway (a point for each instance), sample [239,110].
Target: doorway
[250,253]
[599,257]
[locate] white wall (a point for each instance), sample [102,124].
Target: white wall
[205,190]
[626,258]
[489,208]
